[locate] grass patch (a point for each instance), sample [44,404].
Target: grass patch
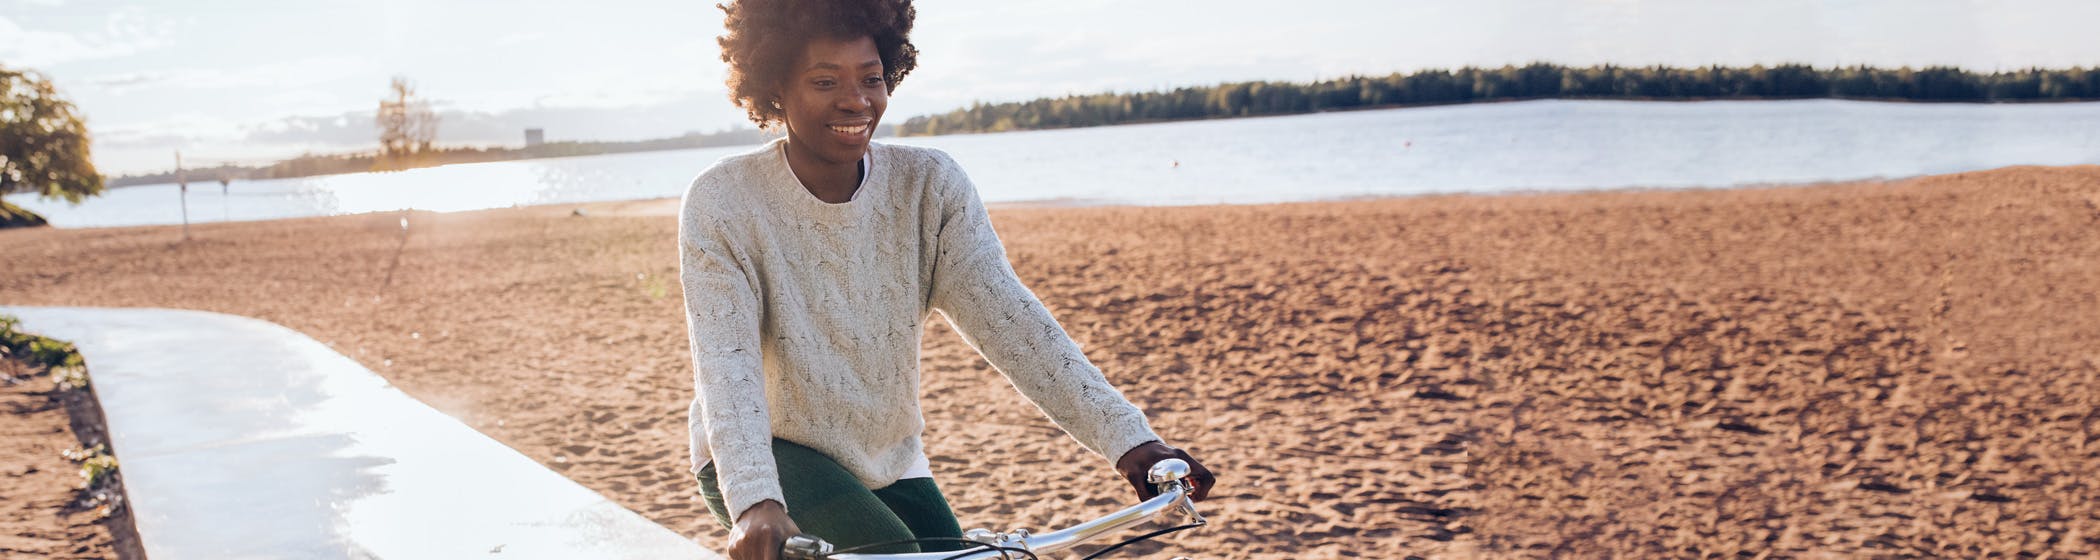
[36,350]
[12,216]
[100,488]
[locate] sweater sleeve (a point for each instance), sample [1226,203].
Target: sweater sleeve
[976,289]
[729,412]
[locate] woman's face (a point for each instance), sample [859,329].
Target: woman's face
[833,98]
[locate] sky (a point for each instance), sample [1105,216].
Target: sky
[252,81]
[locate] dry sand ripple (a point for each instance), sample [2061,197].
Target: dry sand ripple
[1884,369]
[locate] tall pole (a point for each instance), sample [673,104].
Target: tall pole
[183,182]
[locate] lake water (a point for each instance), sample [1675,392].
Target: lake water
[1548,145]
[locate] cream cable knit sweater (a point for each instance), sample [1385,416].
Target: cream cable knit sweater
[805,318]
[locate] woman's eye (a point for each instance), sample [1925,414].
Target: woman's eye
[871,82]
[824,82]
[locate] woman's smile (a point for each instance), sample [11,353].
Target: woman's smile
[853,131]
[857,128]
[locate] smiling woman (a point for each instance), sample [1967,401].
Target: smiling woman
[809,268]
[835,67]
[831,105]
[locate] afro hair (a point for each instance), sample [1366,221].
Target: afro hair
[766,36]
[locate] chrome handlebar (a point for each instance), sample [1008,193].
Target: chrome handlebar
[1173,503]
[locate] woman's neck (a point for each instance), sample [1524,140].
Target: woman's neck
[829,181]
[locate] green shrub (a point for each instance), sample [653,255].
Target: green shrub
[98,470]
[70,378]
[12,216]
[96,464]
[51,353]
[36,350]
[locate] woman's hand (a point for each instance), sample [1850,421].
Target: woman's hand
[1140,459]
[759,532]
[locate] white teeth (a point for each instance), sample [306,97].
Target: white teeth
[850,129]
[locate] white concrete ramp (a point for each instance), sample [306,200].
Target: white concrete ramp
[239,438]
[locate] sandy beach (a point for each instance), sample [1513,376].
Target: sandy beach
[44,510]
[1871,369]
[40,517]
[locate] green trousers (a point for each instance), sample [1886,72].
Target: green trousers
[828,502]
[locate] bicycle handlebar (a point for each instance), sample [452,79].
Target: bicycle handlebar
[1168,477]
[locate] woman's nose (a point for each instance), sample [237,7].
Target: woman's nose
[853,101]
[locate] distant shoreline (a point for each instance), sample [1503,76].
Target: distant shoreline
[205,176]
[669,205]
[1425,88]
[1516,83]
[366,162]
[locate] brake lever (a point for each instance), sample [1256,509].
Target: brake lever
[1169,474]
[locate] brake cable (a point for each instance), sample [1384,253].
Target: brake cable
[1140,538]
[973,547]
[976,547]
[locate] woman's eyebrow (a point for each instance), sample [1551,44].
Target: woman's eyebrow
[829,66]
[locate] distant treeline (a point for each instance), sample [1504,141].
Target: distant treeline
[330,164]
[1533,81]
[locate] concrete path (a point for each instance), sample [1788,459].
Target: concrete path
[239,438]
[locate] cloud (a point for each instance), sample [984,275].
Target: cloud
[301,73]
[170,131]
[145,146]
[346,130]
[126,80]
[660,116]
[126,31]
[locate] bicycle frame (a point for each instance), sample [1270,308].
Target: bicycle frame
[1173,501]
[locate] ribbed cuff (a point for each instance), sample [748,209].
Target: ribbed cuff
[738,496]
[1127,438]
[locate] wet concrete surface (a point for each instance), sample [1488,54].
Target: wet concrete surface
[239,438]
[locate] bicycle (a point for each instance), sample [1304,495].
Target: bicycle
[1173,502]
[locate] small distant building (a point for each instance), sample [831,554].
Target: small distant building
[535,137]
